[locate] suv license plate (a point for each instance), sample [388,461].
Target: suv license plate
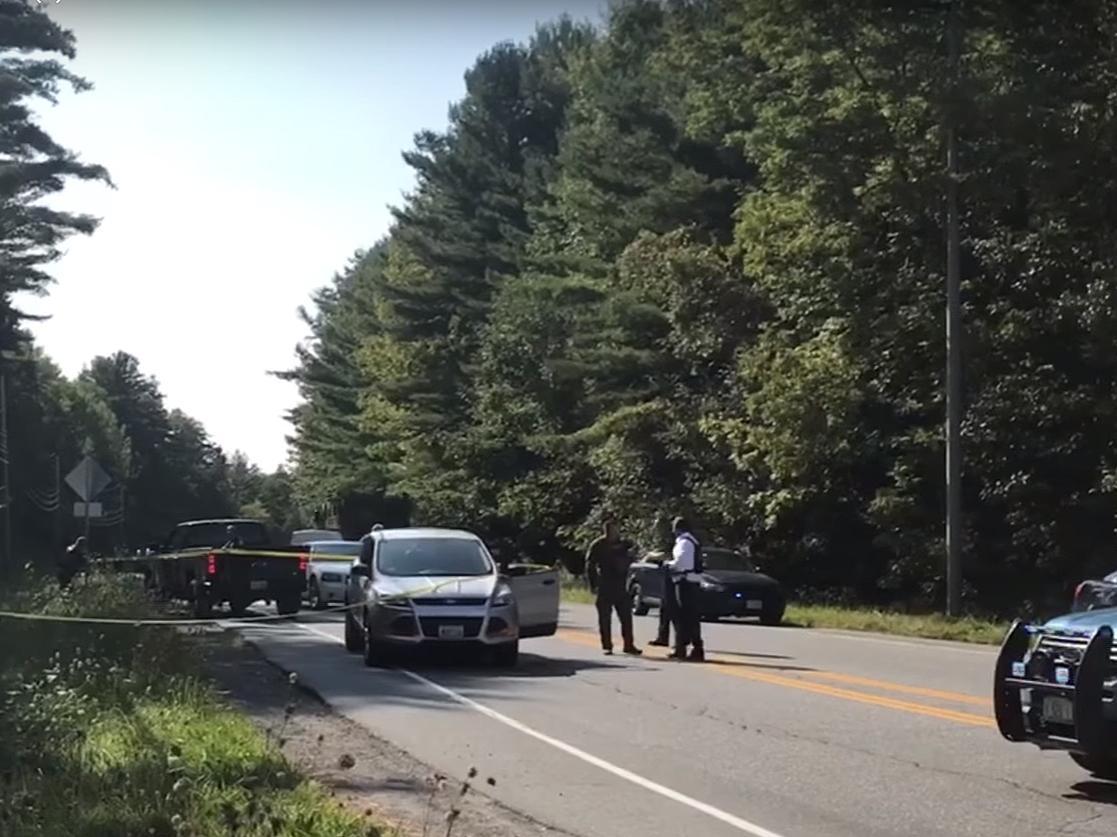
[754,604]
[451,631]
[1059,710]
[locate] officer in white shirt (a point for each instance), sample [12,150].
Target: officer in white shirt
[681,566]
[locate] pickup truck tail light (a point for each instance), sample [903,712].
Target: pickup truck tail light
[211,564]
[304,560]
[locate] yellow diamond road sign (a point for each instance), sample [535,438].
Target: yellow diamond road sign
[88,479]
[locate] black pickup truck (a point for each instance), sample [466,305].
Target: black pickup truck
[212,562]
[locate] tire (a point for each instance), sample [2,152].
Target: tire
[375,654]
[354,637]
[202,606]
[1103,768]
[288,604]
[315,596]
[507,654]
[238,606]
[639,606]
[771,617]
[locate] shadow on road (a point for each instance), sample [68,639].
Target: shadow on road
[1095,791]
[758,656]
[762,666]
[438,661]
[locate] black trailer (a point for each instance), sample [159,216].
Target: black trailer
[1054,687]
[224,561]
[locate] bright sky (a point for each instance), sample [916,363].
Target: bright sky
[255,146]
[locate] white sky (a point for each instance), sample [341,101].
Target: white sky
[255,146]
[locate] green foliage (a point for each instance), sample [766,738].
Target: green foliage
[32,164]
[711,278]
[110,731]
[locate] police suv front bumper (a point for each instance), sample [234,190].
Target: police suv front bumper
[1056,690]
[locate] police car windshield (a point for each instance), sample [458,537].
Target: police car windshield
[432,557]
[725,559]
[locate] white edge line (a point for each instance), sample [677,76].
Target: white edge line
[589,758]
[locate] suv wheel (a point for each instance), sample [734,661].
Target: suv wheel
[354,637]
[375,652]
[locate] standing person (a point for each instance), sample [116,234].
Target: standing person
[685,567]
[72,562]
[607,563]
[668,609]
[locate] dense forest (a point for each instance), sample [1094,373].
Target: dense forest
[693,261]
[163,465]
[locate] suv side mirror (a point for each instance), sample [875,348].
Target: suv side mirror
[359,571]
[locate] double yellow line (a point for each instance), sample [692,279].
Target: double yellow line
[723,664]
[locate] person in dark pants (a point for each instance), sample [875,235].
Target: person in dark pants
[72,562]
[685,567]
[668,609]
[607,563]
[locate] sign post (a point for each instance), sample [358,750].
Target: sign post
[88,479]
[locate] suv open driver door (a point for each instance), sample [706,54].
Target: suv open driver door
[536,589]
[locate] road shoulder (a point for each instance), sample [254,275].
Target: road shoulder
[362,771]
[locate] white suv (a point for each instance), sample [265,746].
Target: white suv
[428,586]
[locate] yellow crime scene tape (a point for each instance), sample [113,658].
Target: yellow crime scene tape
[271,617]
[243,553]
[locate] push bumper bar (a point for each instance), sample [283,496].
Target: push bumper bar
[1024,678]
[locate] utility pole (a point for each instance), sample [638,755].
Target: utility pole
[6,498]
[57,503]
[953,329]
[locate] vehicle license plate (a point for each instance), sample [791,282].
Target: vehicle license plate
[1058,709]
[258,585]
[754,604]
[451,631]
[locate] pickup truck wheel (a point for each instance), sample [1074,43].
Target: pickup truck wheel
[315,596]
[639,606]
[288,604]
[507,654]
[1103,768]
[202,606]
[375,652]
[354,638]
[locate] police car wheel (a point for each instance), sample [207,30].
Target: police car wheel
[1103,768]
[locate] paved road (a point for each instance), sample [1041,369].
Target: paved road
[785,732]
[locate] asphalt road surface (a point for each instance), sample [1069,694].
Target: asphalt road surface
[786,732]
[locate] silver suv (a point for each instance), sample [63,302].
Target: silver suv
[412,587]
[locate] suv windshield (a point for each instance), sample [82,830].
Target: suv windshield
[432,556]
[725,559]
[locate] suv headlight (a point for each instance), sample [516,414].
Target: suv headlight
[502,596]
[712,586]
[393,600]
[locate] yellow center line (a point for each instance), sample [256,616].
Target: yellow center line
[734,668]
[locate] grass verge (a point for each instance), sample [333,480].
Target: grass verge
[925,626]
[111,731]
[929,626]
